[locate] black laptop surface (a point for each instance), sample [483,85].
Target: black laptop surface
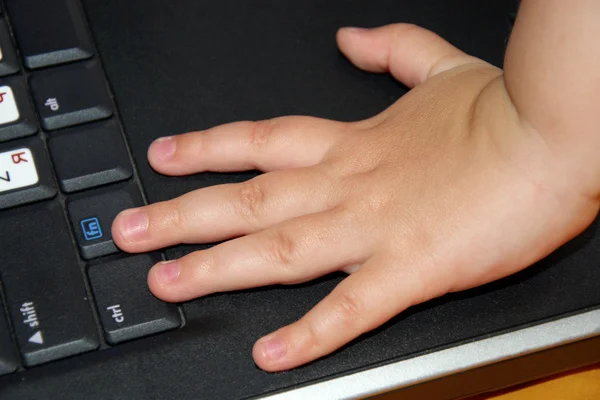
[87,85]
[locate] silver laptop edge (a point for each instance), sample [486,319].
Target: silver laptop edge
[452,360]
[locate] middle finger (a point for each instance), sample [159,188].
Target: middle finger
[221,212]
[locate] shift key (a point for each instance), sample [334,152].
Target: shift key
[8,359]
[44,286]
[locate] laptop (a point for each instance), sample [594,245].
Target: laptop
[86,85]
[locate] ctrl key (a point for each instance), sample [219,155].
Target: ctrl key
[126,307]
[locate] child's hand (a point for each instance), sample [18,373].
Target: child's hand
[448,189]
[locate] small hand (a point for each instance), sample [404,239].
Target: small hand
[448,189]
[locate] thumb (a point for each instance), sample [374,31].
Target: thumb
[410,53]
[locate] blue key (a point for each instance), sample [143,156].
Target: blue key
[91,229]
[92,214]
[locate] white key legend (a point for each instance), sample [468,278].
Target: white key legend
[117,313]
[37,338]
[17,170]
[9,111]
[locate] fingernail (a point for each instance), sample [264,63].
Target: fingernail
[272,349]
[133,225]
[163,148]
[167,271]
[354,29]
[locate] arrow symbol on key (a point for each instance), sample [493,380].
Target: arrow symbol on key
[6,178]
[37,338]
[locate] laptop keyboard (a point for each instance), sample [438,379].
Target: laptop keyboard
[65,173]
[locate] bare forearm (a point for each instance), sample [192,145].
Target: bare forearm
[552,72]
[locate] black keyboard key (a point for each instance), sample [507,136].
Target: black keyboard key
[71,95]
[16,114]
[25,173]
[89,156]
[44,286]
[50,32]
[126,307]
[8,58]
[8,356]
[92,216]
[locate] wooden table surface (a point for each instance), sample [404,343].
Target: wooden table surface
[582,384]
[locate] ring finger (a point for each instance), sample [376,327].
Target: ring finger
[294,251]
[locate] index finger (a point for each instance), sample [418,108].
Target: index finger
[280,143]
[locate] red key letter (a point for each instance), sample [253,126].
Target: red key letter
[18,157]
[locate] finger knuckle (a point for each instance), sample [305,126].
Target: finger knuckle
[374,203]
[170,214]
[313,337]
[352,168]
[177,219]
[406,32]
[282,251]
[203,263]
[198,271]
[408,27]
[350,310]
[194,143]
[250,200]
[261,133]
